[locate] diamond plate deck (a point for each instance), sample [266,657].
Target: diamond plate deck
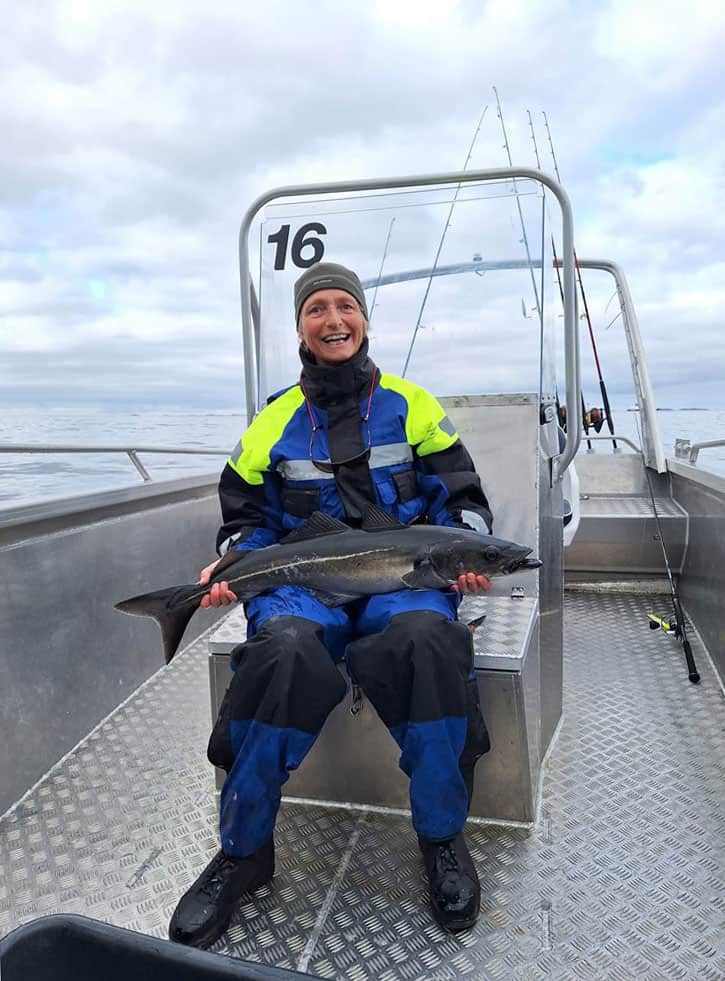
[622,878]
[628,506]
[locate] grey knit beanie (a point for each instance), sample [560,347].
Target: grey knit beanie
[328,276]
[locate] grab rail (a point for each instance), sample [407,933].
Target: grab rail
[571,333]
[684,448]
[615,437]
[652,450]
[130,451]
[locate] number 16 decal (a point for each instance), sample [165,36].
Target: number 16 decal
[304,239]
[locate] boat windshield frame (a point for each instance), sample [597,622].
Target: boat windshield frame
[250,308]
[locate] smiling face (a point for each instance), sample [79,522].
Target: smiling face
[331,326]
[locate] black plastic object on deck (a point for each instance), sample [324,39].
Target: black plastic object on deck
[75,948]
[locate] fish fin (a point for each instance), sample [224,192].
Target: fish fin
[172,622]
[333,599]
[424,576]
[317,524]
[475,623]
[232,557]
[376,519]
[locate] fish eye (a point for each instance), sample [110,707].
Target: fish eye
[491,553]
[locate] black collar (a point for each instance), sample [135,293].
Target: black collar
[325,384]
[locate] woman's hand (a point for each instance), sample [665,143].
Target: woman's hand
[220,594]
[469,582]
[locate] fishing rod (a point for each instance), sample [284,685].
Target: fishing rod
[602,386]
[585,421]
[440,246]
[675,626]
[541,283]
[524,238]
[380,271]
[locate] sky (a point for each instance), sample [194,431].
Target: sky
[136,135]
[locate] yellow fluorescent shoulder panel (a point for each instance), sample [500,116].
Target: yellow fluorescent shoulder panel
[427,427]
[253,451]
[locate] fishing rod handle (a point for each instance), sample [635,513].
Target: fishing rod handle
[693,673]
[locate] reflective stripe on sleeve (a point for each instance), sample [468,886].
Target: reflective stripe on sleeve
[301,470]
[251,457]
[389,455]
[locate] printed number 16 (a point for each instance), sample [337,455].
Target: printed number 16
[302,240]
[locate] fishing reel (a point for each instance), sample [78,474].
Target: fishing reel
[659,623]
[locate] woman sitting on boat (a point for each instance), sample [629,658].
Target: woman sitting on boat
[344,438]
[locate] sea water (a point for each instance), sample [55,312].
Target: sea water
[30,478]
[695,425]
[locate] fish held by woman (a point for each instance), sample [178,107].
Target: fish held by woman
[339,564]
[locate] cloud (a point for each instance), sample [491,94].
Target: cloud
[135,136]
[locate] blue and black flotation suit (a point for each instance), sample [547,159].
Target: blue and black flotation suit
[343,437]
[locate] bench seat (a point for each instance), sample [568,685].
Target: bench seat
[355,760]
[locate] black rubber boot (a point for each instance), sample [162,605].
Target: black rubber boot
[204,911]
[455,892]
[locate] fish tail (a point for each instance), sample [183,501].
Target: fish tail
[172,621]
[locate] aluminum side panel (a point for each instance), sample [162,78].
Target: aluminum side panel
[702,583]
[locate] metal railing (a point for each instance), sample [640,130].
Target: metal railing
[685,450]
[652,451]
[130,451]
[613,438]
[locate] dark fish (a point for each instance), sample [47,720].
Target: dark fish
[338,564]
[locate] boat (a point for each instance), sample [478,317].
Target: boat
[597,825]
